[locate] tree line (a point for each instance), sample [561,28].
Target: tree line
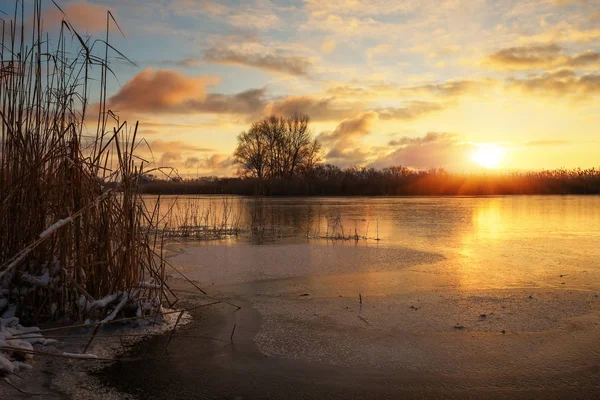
[331,180]
[278,156]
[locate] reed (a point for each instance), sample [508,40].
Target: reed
[200,219]
[76,239]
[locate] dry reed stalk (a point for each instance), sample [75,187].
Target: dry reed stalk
[73,226]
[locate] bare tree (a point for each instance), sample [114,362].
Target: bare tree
[277,147]
[251,152]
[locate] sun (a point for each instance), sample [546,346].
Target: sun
[489,156]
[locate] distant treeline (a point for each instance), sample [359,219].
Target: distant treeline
[329,180]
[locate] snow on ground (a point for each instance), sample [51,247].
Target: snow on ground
[68,373]
[16,345]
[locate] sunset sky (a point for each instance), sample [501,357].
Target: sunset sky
[460,84]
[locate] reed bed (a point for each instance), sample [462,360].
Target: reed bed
[199,218]
[76,239]
[256,218]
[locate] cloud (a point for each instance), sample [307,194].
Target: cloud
[328,46]
[412,110]
[564,32]
[192,162]
[348,157]
[183,155]
[169,153]
[350,129]
[565,3]
[84,16]
[160,145]
[318,109]
[343,141]
[526,57]
[247,102]
[540,57]
[324,9]
[430,137]
[331,109]
[264,21]
[186,62]
[434,150]
[564,82]
[160,90]
[166,91]
[220,164]
[588,58]
[452,88]
[275,61]
[449,90]
[219,161]
[168,158]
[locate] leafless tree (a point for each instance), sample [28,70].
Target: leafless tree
[277,147]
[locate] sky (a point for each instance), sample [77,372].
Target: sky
[456,84]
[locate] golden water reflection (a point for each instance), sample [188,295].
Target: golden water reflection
[486,242]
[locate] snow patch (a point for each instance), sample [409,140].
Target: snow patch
[55,226]
[16,345]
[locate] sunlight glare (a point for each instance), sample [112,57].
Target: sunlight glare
[489,156]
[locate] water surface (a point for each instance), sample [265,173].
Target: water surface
[486,242]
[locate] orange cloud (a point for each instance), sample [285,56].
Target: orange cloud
[434,150]
[526,57]
[175,145]
[319,109]
[563,82]
[330,109]
[216,162]
[166,91]
[343,141]
[540,57]
[412,110]
[153,90]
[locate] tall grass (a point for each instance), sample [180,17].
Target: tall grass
[73,227]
